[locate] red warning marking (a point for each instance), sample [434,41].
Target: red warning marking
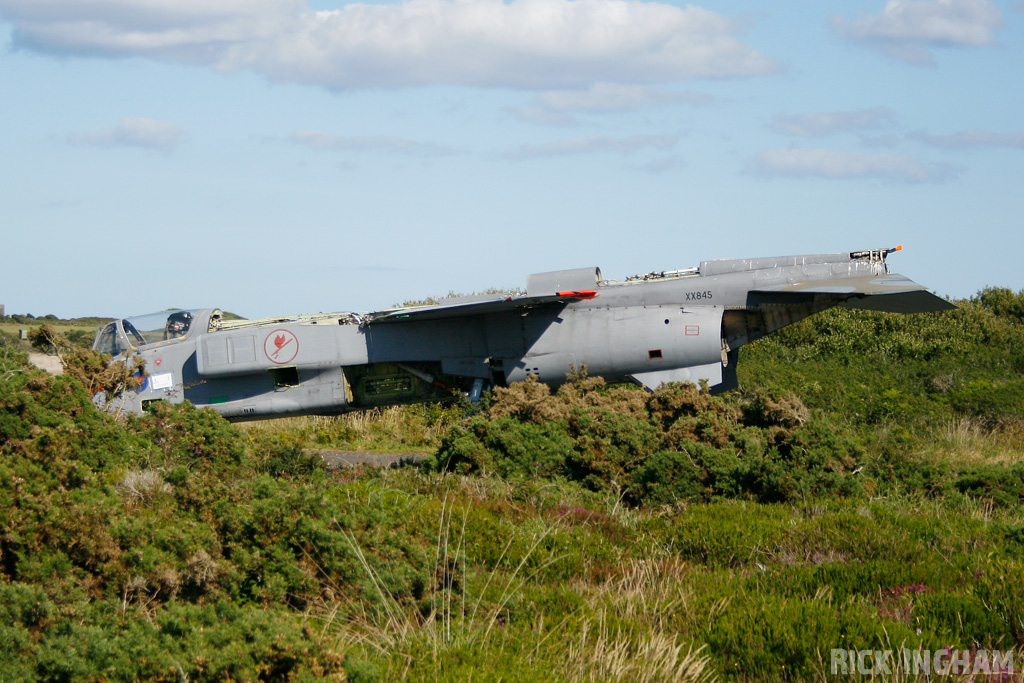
[281,346]
[692,330]
[580,294]
[158,361]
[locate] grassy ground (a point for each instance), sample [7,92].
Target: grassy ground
[584,589]
[865,491]
[82,330]
[405,429]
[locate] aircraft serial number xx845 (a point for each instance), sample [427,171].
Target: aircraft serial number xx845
[684,325]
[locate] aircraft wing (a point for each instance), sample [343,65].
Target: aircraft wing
[891,293]
[454,308]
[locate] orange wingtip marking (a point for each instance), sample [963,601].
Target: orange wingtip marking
[580,294]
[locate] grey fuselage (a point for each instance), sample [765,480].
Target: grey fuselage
[651,329]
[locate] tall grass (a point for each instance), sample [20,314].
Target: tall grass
[416,428]
[459,613]
[969,441]
[602,653]
[619,628]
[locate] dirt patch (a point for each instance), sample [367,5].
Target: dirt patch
[44,362]
[335,458]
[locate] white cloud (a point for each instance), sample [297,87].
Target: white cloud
[828,123]
[607,97]
[134,132]
[589,145]
[971,138]
[826,163]
[889,141]
[660,166]
[907,28]
[557,106]
[534,114]
[190,31]
[325,141]
[520,43]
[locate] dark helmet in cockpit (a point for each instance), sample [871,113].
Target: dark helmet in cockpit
[178,324]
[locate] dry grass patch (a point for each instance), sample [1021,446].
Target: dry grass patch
[967,441]
[603,653]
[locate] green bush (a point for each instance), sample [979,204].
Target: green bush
[1003,485]
[667,477]
[507,447]
[677,441]
[848,496]
[190,436]
[996,404]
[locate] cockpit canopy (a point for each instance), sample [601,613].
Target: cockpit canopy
[154,328]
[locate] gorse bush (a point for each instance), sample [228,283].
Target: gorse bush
[92,369]
[877,368]
[676,444]
[163,516]
[1002,303]
[185,435]
[862,491]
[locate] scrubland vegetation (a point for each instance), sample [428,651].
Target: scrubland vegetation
[863,490]
[80,331]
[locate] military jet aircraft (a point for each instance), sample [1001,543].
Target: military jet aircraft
[659,327]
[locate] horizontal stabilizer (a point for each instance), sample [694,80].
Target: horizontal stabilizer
[902,302]
[891,292]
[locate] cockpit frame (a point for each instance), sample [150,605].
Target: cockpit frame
[155,329]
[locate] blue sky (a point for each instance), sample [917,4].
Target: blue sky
[285,156]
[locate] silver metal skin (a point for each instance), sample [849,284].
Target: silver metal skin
[674,326]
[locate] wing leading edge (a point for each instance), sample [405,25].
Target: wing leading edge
[477,306]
